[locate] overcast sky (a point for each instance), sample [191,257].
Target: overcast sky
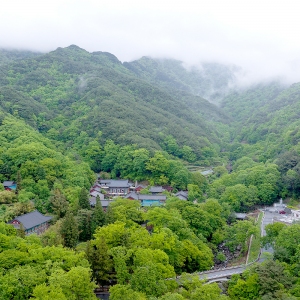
[260,36]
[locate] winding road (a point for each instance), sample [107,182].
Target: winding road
[218,275]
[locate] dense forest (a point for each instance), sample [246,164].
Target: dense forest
[69,116]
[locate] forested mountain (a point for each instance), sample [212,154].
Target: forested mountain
[265,115]
[7,56]
[209,80]
[266,129]
[70,91]
[68,114]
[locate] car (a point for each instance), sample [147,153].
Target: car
[282,212]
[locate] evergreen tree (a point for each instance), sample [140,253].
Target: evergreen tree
[69,230]
[19,182]
[21,231]
[98,217]
[84,218]
[101,263]
[59,203]
[84,201]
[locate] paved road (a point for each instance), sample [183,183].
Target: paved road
[222,273]
[268,219]
[211,275]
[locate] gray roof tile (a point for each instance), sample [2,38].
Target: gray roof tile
[156,189]
[32,219]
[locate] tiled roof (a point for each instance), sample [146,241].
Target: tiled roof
[95,193]
[115,183]
[132,195]
[104,203]
[153,197]
[156,189]
[32,219]
[182,193]
[146,197]
[8,183]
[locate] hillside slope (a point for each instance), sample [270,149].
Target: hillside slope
[70,91]
[209,80]
[266,116]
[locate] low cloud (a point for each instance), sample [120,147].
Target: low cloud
[259,37]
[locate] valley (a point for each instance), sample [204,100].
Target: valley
[71,121]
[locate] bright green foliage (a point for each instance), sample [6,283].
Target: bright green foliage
[195,289]
[28,155]
[287,244]
[244,188]
[29,269]
[171,296]
[19,282]
[120,259]
[148,279]
[124,210]
[158,165]
[194,193]
[269,280]
[44,292]
[68,112]
[114,234]
[240,197]
[75,284]
[110,158]
[272,232]
[7,197]
[125,292]
[245,289]
[239,233]
[203,219]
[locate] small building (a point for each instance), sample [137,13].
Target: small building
[9,185]
[33,222]
[104,203]
[139,187]
[240,216]
[115,187]
[182,195]
[156,189]
[132,196]
[207,172]
[93,199]
[96,193]
[147,200]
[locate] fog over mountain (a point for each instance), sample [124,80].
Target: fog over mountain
[257,36]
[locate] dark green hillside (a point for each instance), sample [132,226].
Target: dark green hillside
[7,56]
[22,105]
[71,91]
[210,80]
[266,129]
[268,113]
